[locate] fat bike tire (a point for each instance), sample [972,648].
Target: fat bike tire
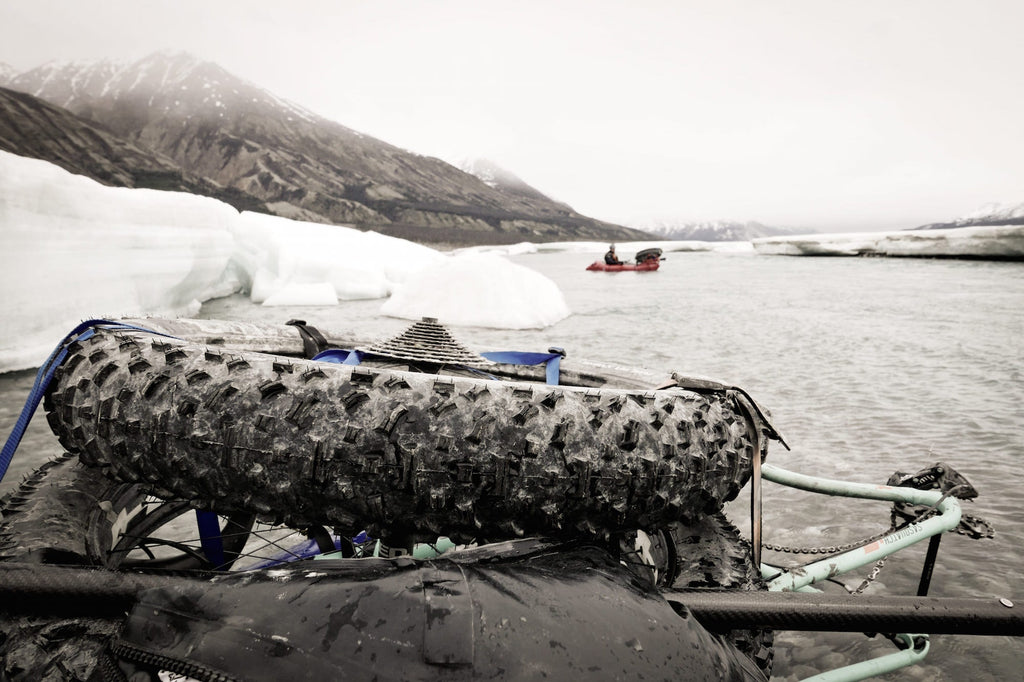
[710,553]
[353,447]
[705,552]
[43,522]
[66,513]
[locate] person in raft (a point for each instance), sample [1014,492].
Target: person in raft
[610,258]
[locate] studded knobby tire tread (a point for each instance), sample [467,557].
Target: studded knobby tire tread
[41,520]
[44,521]
[359,447]
[710,553]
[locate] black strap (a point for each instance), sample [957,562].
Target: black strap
[323,539]
[313,341]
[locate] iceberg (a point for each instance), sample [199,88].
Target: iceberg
[479,289]
[994,242]
[272,253]
[73,249]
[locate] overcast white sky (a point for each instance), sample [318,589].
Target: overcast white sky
[835,115]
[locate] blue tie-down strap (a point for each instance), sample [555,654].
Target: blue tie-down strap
[210,538]
[339,356]
[45,375]
[512,357]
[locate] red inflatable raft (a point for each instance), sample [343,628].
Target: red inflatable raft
[645,260]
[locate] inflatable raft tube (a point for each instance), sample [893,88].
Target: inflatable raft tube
[319,443]
[598,266]
[67,513]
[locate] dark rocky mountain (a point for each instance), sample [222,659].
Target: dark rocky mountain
[235,135]
[33,128]
[712,231]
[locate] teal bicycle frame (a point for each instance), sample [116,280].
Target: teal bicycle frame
[802,579]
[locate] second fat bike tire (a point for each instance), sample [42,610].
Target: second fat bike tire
[710,553]
[45,520]
[318,443]
[68,514]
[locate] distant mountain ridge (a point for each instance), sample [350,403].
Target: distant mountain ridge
[710,231]
[989,214]
[233,135]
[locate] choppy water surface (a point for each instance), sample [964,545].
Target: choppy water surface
[868,366]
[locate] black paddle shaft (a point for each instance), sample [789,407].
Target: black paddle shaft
[49,589]
[73,591]
[727,610]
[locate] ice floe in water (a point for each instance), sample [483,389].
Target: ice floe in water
[990,242]
[275,253]
[72,249]
[479,289]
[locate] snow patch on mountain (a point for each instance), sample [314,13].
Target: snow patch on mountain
[987,214]
[496,177]
[7,73]
[488,172]
[994,211]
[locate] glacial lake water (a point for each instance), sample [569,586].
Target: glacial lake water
[868,366]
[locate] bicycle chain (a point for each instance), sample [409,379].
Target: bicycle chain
[836,549]
[832,549]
